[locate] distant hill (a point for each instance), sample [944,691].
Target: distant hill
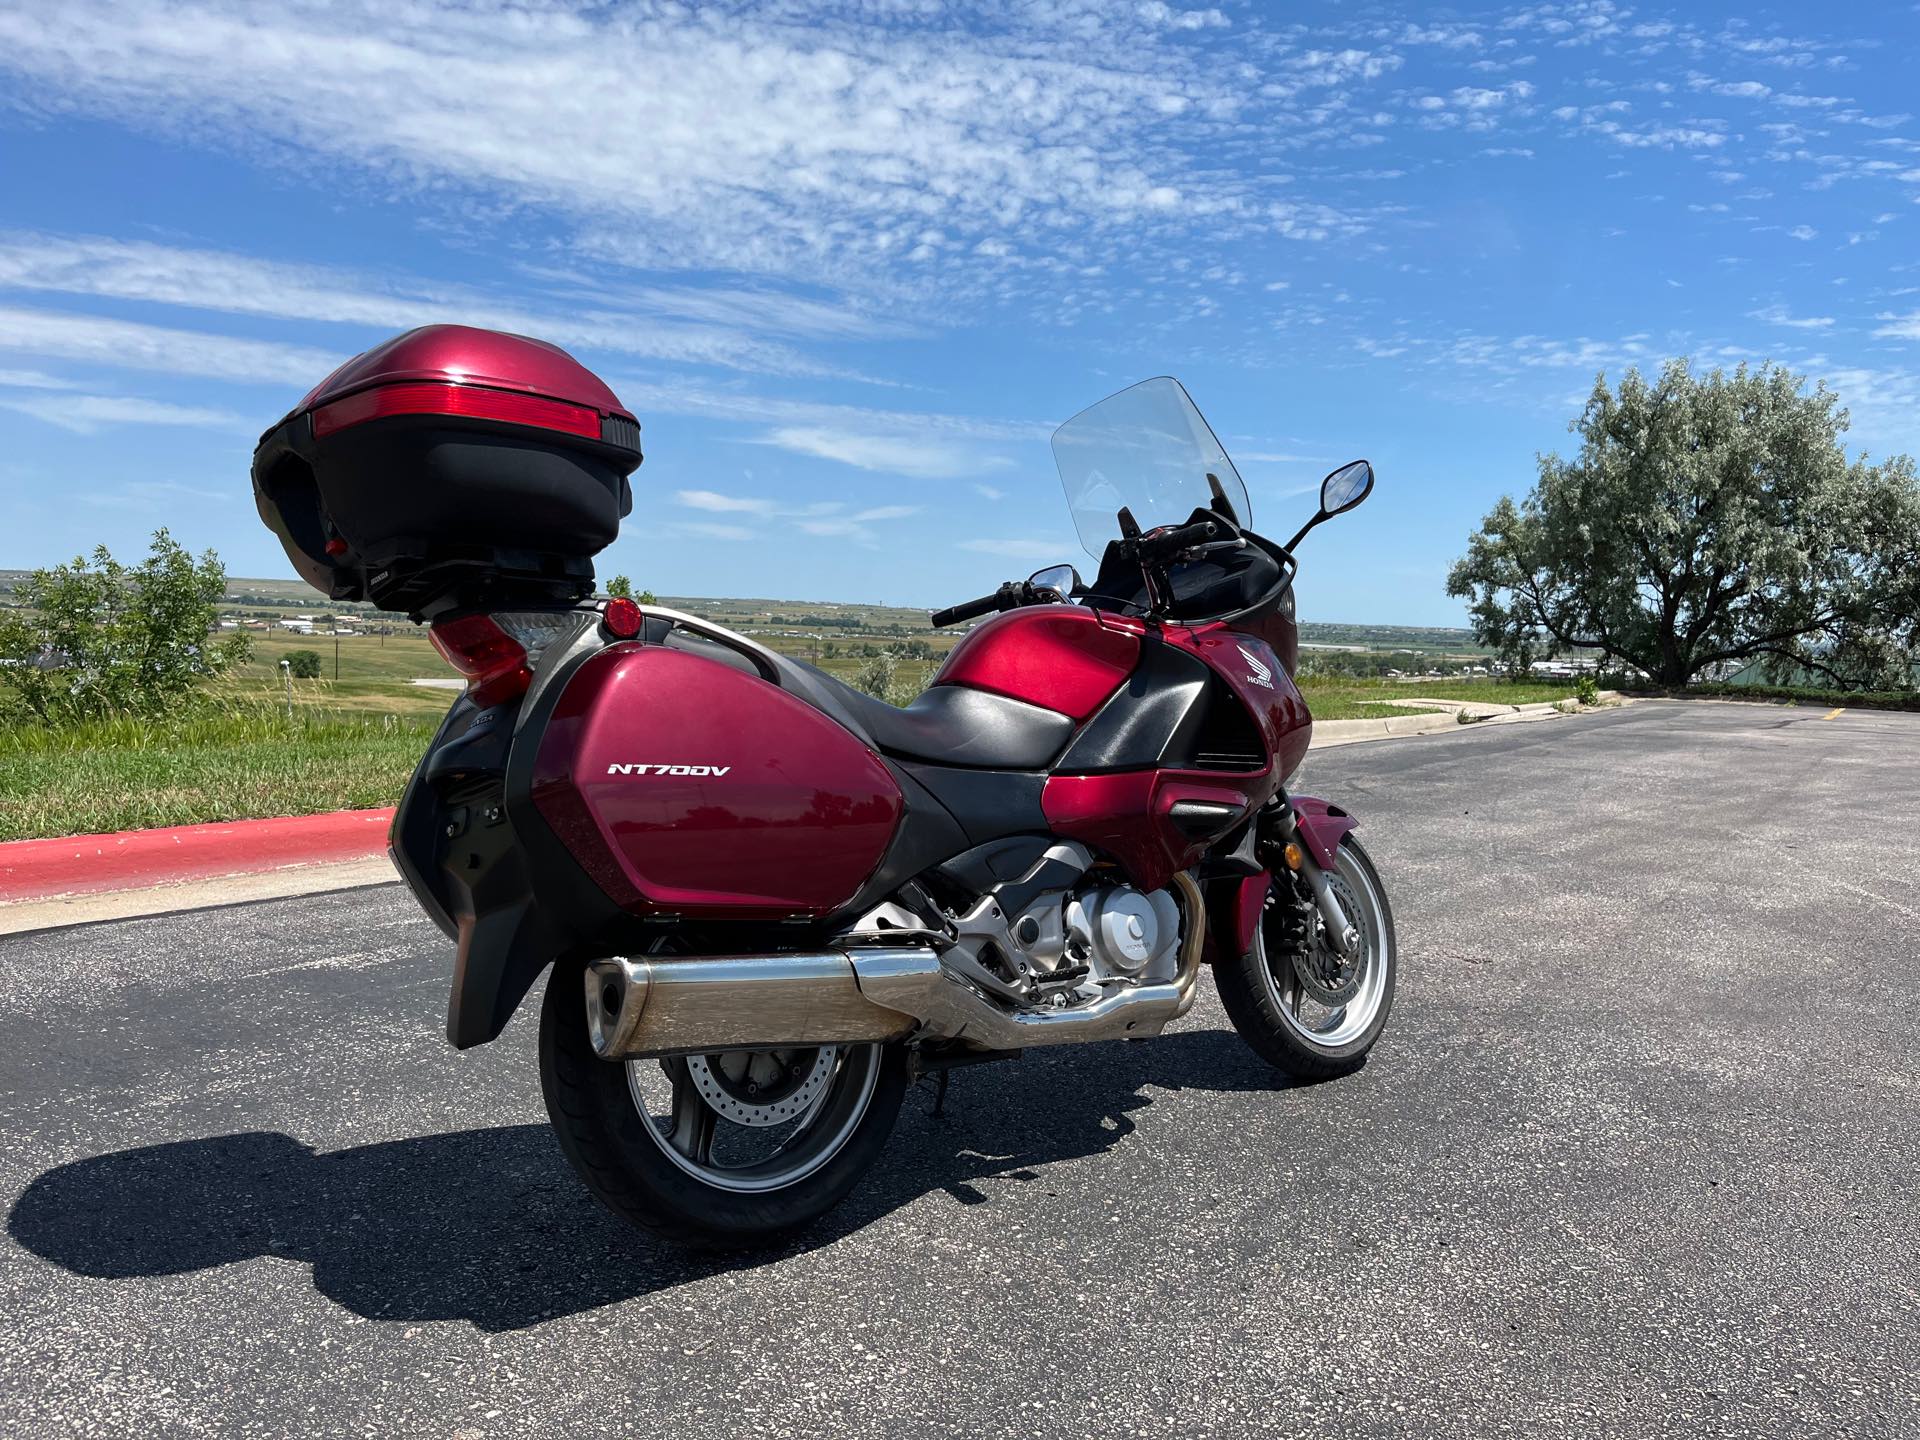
[824,617]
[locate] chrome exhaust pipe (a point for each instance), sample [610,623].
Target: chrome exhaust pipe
[674,1005]
[650,1006]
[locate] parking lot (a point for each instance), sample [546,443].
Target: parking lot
[1637,1156]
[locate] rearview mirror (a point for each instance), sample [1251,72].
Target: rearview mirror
[1346,487]
[1060,581]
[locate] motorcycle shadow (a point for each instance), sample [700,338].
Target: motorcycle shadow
[490,1226]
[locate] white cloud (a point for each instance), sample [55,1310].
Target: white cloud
[34,380]
[1803,232]
[708,530]
[898,455]
[1780,315]
[88,414]
[797,141]
[820,518]
[127,344]
[1018,549]
[724,504]
[1899,327]
[244,285]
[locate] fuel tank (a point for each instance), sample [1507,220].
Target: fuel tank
[683,785]
[1063,658]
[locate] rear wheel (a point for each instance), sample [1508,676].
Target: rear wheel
[1301,1005]
[723,1151]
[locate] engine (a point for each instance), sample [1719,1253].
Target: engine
[1053,937]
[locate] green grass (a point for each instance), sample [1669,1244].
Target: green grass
[224,762]
[1344,698]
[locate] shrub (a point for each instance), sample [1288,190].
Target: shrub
[1587,689]
[95,637]
[304,664]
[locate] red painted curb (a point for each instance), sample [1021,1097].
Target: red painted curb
[135,859]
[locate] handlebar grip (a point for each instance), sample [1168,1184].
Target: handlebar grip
[966,610]
[1183,536]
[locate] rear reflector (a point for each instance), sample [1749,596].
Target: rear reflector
[471,402]
[622,618]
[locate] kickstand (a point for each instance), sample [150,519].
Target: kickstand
[940,1093]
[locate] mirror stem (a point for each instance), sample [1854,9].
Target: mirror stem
[1301,533]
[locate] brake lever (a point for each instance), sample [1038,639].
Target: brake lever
[1239,542]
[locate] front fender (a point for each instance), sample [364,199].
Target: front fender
[1322,826]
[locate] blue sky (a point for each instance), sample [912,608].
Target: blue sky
[850,265]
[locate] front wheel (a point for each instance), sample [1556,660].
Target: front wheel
[724,1151]
[1301,1005]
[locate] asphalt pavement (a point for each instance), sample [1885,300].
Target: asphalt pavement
[1637,1156]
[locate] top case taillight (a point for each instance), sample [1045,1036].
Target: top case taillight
[498,653]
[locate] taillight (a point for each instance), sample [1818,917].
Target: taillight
[494,663]
[474,402]
[498,653]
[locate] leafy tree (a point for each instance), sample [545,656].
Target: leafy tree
[621,588]
[95,637]
[1706,520]
[303,664]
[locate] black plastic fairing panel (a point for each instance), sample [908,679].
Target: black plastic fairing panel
[989,804]
[978,870]
[1153,719]
[926,835]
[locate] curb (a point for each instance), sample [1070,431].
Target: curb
[37,870]
[1328,733]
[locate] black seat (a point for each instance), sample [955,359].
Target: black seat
[945,725]
[952,725]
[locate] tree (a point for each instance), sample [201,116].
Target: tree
[95,637]
[621,588]
[1706,520]
[303,664]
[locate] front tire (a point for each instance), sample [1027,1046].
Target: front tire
[653,1139]
[1285,996]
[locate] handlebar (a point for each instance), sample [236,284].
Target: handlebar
[1009,595]
[1156,543]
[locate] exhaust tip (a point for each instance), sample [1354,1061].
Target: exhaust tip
[613,1007]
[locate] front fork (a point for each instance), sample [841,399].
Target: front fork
[1294,848]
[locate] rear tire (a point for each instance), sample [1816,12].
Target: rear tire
[1274,1011]
[622,1154]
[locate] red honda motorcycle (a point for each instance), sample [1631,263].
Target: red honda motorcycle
[768,901]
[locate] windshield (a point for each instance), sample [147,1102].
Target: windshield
[1147,448]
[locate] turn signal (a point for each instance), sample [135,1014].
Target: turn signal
[1293,855]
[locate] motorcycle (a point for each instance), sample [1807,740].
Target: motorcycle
[765,901]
